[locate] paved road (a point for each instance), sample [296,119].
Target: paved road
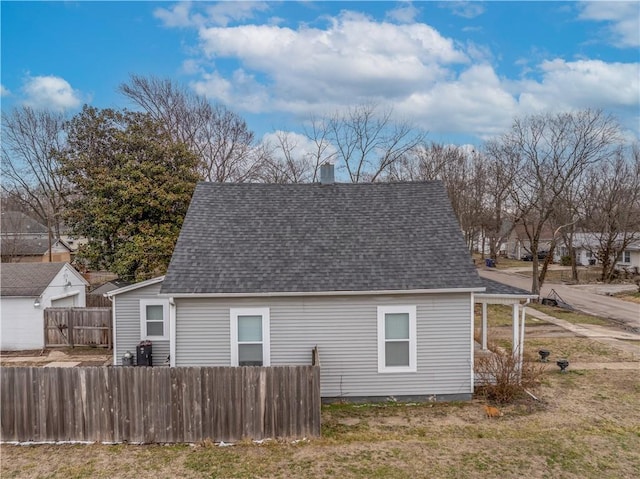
[624,312]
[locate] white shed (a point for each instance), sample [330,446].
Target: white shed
[26,290]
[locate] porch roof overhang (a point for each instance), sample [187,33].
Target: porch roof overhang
[502,298]
[498,293]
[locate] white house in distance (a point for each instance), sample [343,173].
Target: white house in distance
[26,289]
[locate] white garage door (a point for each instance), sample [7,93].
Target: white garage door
[67,302]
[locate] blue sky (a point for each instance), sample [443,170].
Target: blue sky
[461,70]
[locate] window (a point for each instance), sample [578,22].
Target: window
[250,337]
[154,319]
[626,257]
[396,339]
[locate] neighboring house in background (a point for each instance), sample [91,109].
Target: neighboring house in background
[376,276]
[24,250]
[587,248]
[25,240]
[518,245]
[26,289]
[630,259]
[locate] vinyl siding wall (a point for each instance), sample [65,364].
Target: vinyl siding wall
[345,331]
[127,325]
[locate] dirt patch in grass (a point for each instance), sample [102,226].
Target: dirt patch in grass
[37,358]
[633,297]
[586,425]
[574,317]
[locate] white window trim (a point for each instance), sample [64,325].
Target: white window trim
[266,332]
[143,318]
[382,367]
[626,253]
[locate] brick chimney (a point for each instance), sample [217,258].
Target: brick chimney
[326,174]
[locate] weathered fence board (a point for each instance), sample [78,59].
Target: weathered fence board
[77,327]
[158,405]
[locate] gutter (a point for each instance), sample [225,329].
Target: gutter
[322,293]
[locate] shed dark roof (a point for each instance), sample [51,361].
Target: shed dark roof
[261,238]
[28,247]
[15,222]
[27,279]
[110,286]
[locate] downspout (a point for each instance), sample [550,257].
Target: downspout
[172,333]
[473,320]
[113,327]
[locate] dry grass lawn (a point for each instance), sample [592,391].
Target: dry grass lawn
[633,297]
[586,425]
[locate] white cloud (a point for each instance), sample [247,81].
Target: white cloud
[179,15]
[441,85]
[354,57]
[242,90]
[221,13]
[50,92]
[581,84]
[623,20]
[474,103]
[405,13]
[464,9]
[4,91]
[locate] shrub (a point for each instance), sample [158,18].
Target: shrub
[565,261]
[500,379]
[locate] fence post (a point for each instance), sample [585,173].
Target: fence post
[71,325]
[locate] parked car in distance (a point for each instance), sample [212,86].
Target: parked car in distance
[529,257]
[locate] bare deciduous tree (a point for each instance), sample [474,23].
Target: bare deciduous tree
[553,150]
[285,161]
[366,141]
[501,172]
[463,174]
[611,202]
[29,166]
[218,136]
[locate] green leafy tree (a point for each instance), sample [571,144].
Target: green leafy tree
[131,185]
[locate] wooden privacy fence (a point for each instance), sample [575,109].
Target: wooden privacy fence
[72,327]
[159,405]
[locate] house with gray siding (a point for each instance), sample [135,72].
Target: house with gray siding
[375,276]
[139,314]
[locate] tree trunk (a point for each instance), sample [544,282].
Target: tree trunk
[574,263]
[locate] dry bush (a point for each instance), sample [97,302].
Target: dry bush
[500,379]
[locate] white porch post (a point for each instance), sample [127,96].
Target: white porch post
[516,336]
[484,326]
[522,337]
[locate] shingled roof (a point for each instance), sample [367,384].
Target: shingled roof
[494,287]
[265,238]
[28,247]
[15,222]
[27,279]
